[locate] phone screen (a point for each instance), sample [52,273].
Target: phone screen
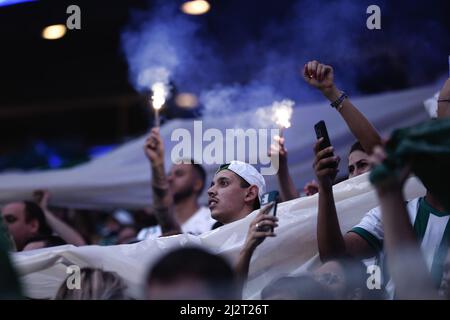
[268,198]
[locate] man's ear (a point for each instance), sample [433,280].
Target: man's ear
[198,184]
[251,195]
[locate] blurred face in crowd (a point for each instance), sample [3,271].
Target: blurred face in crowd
[227,199]
[346,280]
[125,235]
[332,276]
[183,288]
[183,181]
[335,280]
[15,219]
[301,287]
[358,163]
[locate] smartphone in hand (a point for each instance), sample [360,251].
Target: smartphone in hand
[266,198]
[322,132]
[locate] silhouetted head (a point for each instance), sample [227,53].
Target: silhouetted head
[95,284]
[191,273]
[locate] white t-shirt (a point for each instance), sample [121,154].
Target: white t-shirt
[431,227]
[198,223]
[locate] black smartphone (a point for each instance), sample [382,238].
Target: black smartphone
[266,198]
[322,132]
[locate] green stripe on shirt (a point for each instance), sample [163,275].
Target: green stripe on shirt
[373,241]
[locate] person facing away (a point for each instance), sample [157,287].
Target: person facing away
[95,284]
[191,274]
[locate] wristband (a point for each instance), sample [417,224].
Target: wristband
[338,103]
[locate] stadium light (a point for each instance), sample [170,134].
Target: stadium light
[186,100]
[54,32]
[4,3]
[195,7]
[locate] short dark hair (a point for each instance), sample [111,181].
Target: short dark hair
[201,174]
[357,147]
[214,270]
[33,211]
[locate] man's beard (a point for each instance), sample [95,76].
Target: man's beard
[183,194]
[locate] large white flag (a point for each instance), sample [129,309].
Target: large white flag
[293,250]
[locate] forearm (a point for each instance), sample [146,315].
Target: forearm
[243,265]
[358,124]
[159,181]
[163,201]
[403,250]
[66,232]
[288,191]
[330,240]
[166,220]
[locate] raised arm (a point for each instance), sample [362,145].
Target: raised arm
[162,198]
[400,242]
[66,232]
[332,244]
[329,237]
[321,76]
[288,191]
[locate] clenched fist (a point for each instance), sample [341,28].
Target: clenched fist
[319,75]
[154,148]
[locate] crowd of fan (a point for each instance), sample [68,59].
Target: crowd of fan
[409,233]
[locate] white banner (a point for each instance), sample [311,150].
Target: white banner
[293,250]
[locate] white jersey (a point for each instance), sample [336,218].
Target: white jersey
[198,223]
[431,227]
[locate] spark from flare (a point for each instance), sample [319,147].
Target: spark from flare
[282,113]
[160,92]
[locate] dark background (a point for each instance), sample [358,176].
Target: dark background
[62,101]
